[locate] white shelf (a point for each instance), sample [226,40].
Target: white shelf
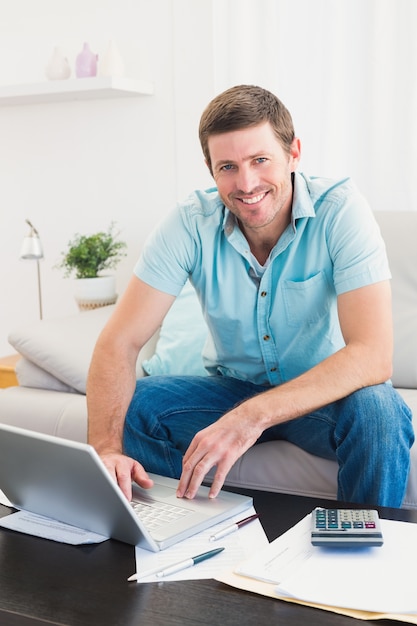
[74,89]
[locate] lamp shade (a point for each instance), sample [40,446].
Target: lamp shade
[31,246]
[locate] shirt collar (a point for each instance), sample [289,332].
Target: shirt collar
[302,204]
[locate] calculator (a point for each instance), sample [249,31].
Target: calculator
[345,528]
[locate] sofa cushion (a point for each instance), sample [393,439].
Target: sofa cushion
[181,339]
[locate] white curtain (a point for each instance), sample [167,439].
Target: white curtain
[347,71]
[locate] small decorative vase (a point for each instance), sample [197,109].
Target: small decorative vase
[92,293]
[86,63]
[58,67]
[111,63]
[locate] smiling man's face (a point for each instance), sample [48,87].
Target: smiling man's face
[253,176]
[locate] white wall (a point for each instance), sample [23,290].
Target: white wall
[347,71]
[76,166]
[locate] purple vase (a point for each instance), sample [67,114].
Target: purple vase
[86,63]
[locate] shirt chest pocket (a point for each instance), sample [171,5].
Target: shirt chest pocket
[307,301]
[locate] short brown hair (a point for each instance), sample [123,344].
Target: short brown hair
[243,106]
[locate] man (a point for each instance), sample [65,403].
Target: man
[293,280]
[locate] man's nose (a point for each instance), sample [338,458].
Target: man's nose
[247,180]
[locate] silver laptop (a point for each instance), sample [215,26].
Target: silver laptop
[67,481]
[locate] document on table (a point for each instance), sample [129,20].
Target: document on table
[369,583]
[281,557]
[47,528]
[238,546]
[369,579]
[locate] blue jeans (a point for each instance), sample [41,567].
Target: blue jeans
[369,433]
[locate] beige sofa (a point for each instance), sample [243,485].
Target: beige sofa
[56,355]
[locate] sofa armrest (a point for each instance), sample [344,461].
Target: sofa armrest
[50,412]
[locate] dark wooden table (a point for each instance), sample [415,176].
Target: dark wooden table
[43,582]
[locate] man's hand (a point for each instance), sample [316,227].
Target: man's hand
[220,444]
[124,469]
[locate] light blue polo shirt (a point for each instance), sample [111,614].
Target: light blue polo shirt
[269,324]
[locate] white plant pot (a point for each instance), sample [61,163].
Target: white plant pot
[91,293]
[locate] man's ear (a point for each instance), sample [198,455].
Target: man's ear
[295,153]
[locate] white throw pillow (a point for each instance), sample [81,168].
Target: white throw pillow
[63,346]
[30,375]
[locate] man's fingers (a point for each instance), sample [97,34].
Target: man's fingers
[196,468]
[140,476]
[191,478]
[191,450]
[123,470]
[218,482]
[217,446]
[125,483]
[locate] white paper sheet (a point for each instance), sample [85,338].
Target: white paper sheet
[371,579]
[47,528]
[376,579]
[3,500]
[238,545]
[281,557]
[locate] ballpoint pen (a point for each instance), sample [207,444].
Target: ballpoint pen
[233,527]
[177,567]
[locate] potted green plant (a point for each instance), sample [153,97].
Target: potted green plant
[85,258]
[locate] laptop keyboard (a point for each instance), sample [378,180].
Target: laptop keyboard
[158,513]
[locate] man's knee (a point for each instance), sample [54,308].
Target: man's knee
[379,410]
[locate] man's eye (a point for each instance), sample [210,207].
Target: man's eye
[261,159]
[227,167]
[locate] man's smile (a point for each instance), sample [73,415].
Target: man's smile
[254,199]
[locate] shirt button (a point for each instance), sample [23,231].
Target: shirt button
[267,337]
[273,369]
[263,294]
